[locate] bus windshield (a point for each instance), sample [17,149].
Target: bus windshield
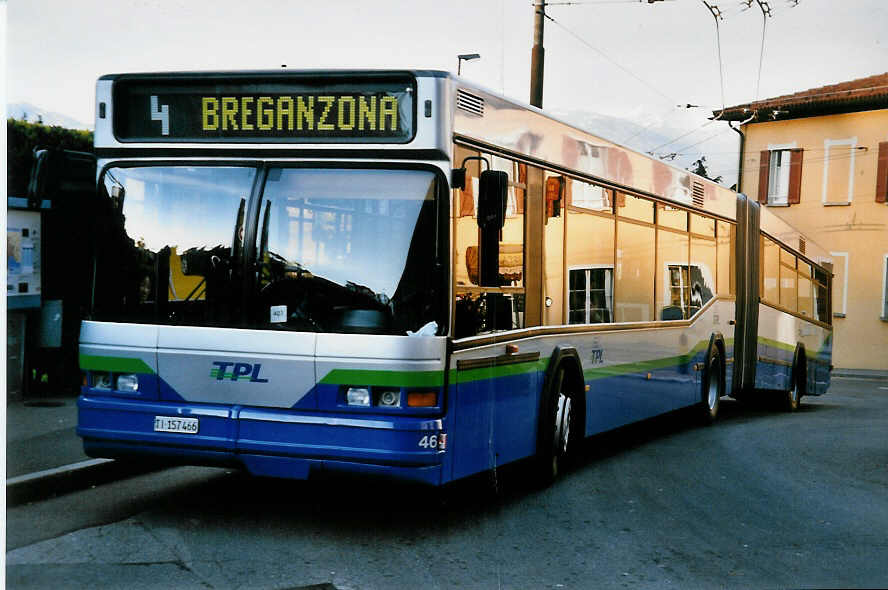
[332,250]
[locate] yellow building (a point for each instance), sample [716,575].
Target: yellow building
[819,159]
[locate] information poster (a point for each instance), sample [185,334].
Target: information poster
[22,259]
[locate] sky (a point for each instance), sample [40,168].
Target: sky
[620,58]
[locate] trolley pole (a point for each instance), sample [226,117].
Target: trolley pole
[537,55]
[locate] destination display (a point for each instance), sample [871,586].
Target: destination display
[300,111]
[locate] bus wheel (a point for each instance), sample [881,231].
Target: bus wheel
[712,385]
[555,431]
[792,397]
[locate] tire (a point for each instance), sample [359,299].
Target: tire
[712,385]
[792,397]
[557,423]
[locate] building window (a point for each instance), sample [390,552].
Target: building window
[840,283]
[780,175]
[591,295]
[838,170]
[778,178]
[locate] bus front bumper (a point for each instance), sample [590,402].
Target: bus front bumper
[265,441]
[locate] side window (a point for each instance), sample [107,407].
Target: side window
[788,280]
[726,240]
[821,294]
[806,290]
[635,260]
[479,309]
[770,269]
[464,218]
[590,254]
[703,261]
[673,270]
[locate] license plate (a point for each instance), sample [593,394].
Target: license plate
[175,424]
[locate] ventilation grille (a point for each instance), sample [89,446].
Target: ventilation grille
[802,244]
[469,103]
[698,194]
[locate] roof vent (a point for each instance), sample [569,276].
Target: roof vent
[802,244]
[469,102]
[698,194]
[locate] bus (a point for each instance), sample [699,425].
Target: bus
[402,273]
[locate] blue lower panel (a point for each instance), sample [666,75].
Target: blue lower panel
[623,399]
[133,421]
[280,443]
[494,422]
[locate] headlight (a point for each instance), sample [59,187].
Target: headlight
[390,399]
[358,396]
[127,382]
[102,380]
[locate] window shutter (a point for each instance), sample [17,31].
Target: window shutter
[882,174]
[764,170]
[520,192]
[795,177]
[553,194]
[467,199]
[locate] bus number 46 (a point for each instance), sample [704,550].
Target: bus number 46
[434,441]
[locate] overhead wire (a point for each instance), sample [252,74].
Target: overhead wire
[611,60]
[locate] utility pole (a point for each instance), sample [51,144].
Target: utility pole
[537,55]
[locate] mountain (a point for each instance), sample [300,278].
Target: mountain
[34,114]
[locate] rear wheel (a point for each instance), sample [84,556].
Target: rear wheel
[712,386]
[792,397]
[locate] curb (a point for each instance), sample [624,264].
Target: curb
[862,376]
[68,478]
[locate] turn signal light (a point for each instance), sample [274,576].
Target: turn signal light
[422,399]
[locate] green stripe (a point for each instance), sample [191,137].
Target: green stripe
[776,344]
[496,372]
[645,366]
[384,378]
[114,364]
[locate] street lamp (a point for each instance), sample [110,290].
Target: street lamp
[465,57]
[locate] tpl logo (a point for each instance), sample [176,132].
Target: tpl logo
[239,372]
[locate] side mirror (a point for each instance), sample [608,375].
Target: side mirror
[493,189]
[458,178]
[493,186]
[58,173]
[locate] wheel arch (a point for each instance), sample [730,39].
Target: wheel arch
[800,368]
[717,341]
[568,358]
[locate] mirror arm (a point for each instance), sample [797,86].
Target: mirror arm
[458,175]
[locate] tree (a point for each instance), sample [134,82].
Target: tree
[699,168]
[23,137]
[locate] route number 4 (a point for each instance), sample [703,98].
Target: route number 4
[429,442]
[161,113]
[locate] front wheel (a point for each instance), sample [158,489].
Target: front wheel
[555,431]
[712,386]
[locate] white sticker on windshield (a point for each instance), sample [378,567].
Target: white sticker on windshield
[278,314]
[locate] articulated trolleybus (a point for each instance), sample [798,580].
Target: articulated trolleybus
[401,273]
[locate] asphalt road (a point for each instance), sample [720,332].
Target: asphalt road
[760,499]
